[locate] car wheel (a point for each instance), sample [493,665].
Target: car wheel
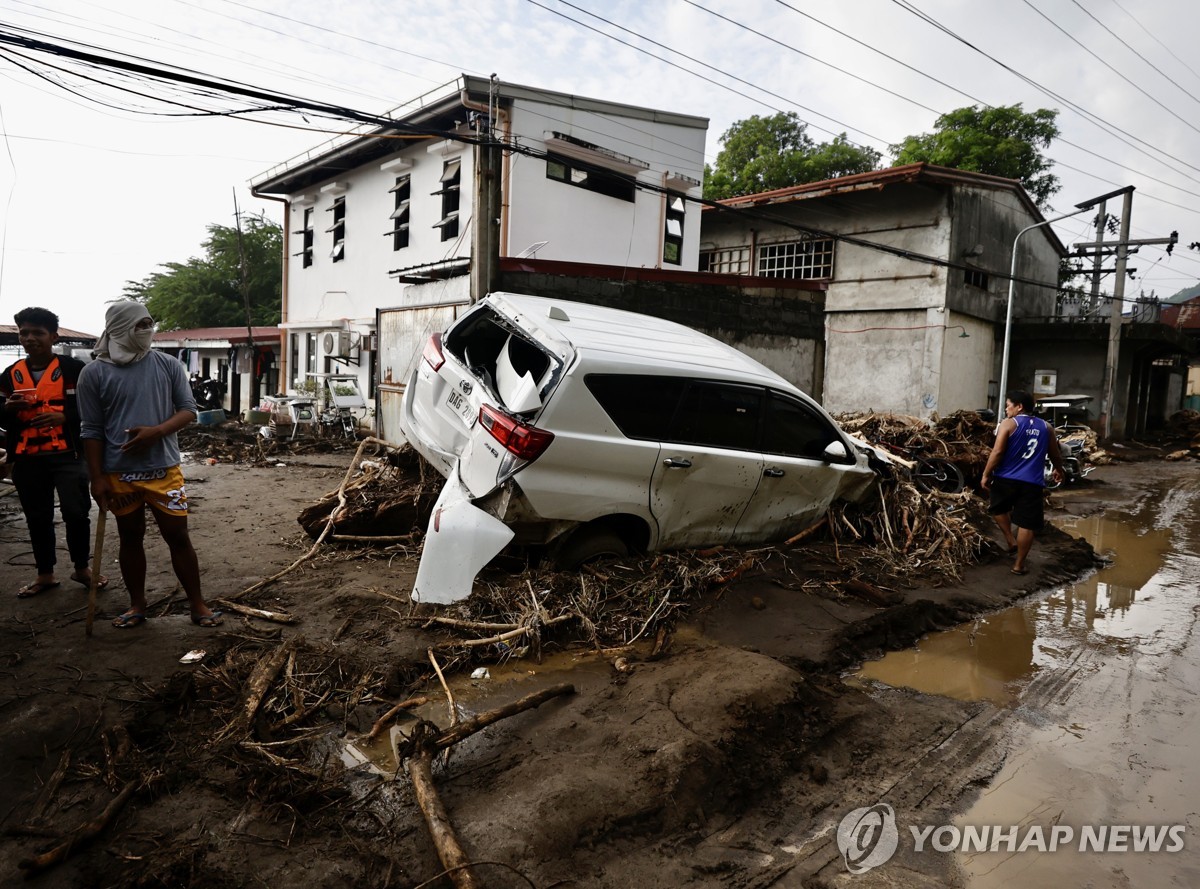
[589,543]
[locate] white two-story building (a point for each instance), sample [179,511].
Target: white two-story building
[385,218]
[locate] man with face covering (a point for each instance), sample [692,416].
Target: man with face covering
[133,401]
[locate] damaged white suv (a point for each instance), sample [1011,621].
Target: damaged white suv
[601,432]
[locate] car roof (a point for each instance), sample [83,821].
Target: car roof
[635,338]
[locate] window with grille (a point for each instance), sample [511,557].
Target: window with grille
[797,259]
[451,180]
[338,229]
[976,278]
[402,192]
[673,234]
[727,261]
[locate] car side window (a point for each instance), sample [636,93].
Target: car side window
[640,405]
[793,429]
[719,415]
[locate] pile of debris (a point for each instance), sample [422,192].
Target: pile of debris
[235,442]
[900,533]
[964,438]
[1182,435]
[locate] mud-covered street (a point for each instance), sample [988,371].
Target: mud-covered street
[722,753]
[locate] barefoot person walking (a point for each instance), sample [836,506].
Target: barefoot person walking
[41,420]
[134,401]
[1015,474]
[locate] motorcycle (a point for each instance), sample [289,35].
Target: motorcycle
[208,393]
[1072,465]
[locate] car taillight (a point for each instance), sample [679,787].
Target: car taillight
[433,352]
[519,439]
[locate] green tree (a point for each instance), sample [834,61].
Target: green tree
[207,291]
[764,153]
[1004,141]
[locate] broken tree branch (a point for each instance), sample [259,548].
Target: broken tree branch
[441,829]
[481,721]
[278,617]
[80,835]
[333,514]
[383,720]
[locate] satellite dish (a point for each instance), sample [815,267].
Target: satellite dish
[532,249]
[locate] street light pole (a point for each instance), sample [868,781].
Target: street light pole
[1012,285]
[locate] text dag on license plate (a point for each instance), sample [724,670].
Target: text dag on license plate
[461,405]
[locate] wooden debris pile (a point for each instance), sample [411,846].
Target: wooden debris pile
[605,606]
[388,496]
[234,442]
[904,532]
[964,438]
[1182,435]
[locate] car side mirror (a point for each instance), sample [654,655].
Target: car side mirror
[835,452]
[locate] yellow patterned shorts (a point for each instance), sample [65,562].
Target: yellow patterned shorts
[162,489]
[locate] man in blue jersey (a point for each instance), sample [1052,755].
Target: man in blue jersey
[1015,474]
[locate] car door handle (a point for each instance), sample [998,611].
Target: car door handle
[773,473]
[677,463]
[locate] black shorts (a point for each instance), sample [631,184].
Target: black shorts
[1022,499]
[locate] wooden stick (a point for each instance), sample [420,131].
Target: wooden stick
[469,727]
[395,538]
[419,764]
[511,634]
[449,694]
[97,561]
[824,520]
[279,617]
[441,829]
[383,720]
[79,836]
[333,514]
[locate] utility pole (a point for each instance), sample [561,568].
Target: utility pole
[1108,404]
[485,244]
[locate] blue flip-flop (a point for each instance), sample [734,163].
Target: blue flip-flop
[208,620]
[129,620]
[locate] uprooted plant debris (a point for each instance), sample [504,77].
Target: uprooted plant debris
[900,533]
[234,442]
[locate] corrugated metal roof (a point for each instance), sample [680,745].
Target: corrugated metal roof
[232,335]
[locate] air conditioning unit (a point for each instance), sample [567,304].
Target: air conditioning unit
[336,342]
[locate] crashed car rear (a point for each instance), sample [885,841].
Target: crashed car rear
[597,432]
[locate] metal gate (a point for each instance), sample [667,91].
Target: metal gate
[403,333]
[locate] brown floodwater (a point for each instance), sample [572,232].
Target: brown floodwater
[1101,680]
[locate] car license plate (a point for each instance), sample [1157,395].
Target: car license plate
[461,405]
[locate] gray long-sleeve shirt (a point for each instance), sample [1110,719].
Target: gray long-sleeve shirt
[114,398]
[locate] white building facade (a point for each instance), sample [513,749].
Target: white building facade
[385,219]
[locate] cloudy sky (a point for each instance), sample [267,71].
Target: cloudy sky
[98,187]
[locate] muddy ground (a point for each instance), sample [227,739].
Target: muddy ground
[722,759]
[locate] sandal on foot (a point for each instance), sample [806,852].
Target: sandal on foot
[129,620]
[1020,572]
[208,620]
[32,589]
[100,585]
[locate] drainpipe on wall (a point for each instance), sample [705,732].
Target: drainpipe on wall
[283,287]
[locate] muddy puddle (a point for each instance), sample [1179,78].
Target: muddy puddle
[1098,680]
[475,692]
[994,657]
